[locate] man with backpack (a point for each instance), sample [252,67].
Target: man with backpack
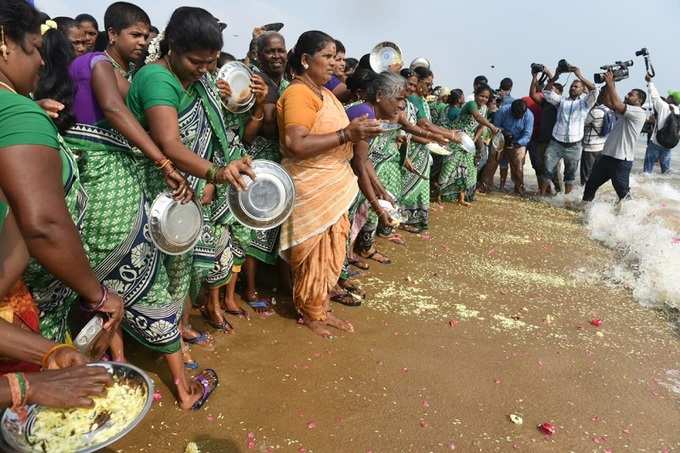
[599,123]
[618,154]
[666,133]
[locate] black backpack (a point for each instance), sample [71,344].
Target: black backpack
[669,135]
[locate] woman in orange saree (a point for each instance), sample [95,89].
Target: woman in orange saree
[316,145]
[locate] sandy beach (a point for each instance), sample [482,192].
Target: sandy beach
[491,316]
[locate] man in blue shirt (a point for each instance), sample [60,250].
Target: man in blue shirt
[517,123]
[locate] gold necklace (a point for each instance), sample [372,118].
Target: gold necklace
[8,87]
[117,66]
[311,86]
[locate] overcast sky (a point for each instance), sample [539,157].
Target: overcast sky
[461,38]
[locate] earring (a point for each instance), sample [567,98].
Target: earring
[305,65]
[3,44]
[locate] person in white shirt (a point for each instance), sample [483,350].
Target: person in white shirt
[618,154]
[478,82]
[594,136]
[655,151]
[568,131]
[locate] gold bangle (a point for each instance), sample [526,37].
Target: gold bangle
[52,350]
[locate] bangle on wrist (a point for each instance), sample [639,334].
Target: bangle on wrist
[211,174]
[98,305]
[161,164]
[45,362]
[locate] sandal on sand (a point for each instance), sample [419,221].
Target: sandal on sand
[347,298]
[240,313]
[374,255]
[223,326]
[209,382]
[203,338]
[260,305]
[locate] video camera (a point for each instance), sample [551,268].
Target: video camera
[563,67]
[619,69]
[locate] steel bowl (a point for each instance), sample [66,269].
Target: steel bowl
[267,201]
[17,434]
[384,55]
[420,62]
[239,77]
[175,227]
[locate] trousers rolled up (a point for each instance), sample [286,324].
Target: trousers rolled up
[654,154]
[515,157]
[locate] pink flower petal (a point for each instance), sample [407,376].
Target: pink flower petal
[311,425]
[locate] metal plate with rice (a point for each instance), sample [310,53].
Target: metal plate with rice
[24,436]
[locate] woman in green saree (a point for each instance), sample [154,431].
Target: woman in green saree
[174,100]
[458,177]
[378,162]
[32,150]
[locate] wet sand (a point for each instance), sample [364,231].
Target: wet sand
[489,317]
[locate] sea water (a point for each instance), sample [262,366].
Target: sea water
[644,231]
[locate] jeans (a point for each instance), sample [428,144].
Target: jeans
[657,153]
[588,159]
[607,168]
[570,152]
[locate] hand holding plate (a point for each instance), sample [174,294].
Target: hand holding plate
[69,387]
[224,89]
[362,128]
[231,173]
[259,88]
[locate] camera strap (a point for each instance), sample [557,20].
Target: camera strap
[649,66]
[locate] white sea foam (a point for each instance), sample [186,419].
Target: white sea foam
[645,232]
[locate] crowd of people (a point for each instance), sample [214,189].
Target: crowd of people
[102,122]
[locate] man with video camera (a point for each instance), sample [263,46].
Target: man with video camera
[616,160]
[568,131]
[664,136]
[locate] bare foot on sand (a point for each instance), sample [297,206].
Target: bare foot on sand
[338,323]
[318,327]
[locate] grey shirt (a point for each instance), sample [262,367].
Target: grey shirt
[622,140]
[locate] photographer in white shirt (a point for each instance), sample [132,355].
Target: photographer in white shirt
[662,110]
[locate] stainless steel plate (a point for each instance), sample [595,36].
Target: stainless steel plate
[420,62]
[238,76]
[498,141]
[384,55]
[267,201]
[17,434]
[175,228]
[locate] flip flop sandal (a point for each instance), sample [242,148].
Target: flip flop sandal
[410,229]
[223,326]
[206,387]
[347,298]
[203,338]
[193,365]
[259,304]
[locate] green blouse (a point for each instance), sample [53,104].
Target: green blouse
[23,122]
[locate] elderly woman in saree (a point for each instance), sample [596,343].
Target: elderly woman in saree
[458,178]
[272,59]
[316,145]
[174,100]
[379,162]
